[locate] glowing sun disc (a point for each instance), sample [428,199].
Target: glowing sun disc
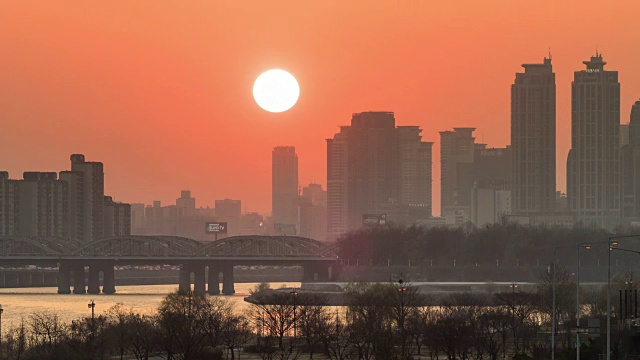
[276,90]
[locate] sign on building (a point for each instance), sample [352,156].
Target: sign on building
[216,228]
[374,219]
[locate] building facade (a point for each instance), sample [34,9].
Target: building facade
[457,149]
[593,164]
[284,186]
[376,168]
[533,139]
[630,169]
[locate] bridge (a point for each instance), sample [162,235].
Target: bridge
[205,262]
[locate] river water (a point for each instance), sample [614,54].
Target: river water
[20,303]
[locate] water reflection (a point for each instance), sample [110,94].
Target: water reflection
[19,303]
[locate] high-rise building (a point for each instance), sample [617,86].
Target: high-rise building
[457,148]
[185,203]
[34,206]
[313,212]
[9,204]
[593,186]
[630,168]
[533,139]
[284,186]
[624,134]
[85,198]
[117,218]
[230,211]
[376,168]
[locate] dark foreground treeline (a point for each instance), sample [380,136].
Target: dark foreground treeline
[381,321]
[504,244]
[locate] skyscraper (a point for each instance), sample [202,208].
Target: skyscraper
[86,198]
[630,168]
[457,148]
[533,139]
[593,170]
[313,212]
[284,186]
[376,168]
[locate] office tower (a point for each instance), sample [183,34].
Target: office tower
[533,139]
[593,186]
[230,211]
[313,212]
[85,198]
[375,168]
[630,168]
[284,186]
[117,218]
[457,148]
[8,204]
[185,203]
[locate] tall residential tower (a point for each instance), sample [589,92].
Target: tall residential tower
[284,186]
[533,139]
[593,166]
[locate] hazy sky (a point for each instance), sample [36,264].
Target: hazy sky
[160,91]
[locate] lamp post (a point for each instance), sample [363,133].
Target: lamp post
[294,293]
[92,306]
[1,310]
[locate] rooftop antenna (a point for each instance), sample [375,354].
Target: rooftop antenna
[549,52]
[596,50]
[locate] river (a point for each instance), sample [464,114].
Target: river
[21,302]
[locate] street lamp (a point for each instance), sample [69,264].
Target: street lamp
[92,306]
[1,310]
[586,246]
[294,293]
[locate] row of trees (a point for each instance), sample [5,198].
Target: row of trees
[508,243]
[378,321]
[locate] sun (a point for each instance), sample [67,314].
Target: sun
[276,90]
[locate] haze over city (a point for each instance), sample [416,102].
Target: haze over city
[161,92]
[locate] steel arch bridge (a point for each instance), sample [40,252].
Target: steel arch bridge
[166,246]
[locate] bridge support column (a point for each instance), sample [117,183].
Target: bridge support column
[109,279]
[318,272]
[93,280]
[63,280]
[78,279]
[184,282]
[227,280]
[214,281]
[199,283]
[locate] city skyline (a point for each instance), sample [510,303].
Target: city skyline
[182,93]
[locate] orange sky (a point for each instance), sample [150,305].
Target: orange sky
[160,91]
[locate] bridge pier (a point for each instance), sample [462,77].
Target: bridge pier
[63,280]
[199,280]
[78,279]
[93,280]
[227,280]
[214,281]
[184,281]
[319,272]
[109,279]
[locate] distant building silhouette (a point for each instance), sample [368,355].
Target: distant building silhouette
[488,179]
[630,169]
[230,211]
[86,198]
[376,168]
[72,205]
[313,212]
[533,139]
[117,218]
[457,148]
[284,186]
[593,172]
[185,203]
